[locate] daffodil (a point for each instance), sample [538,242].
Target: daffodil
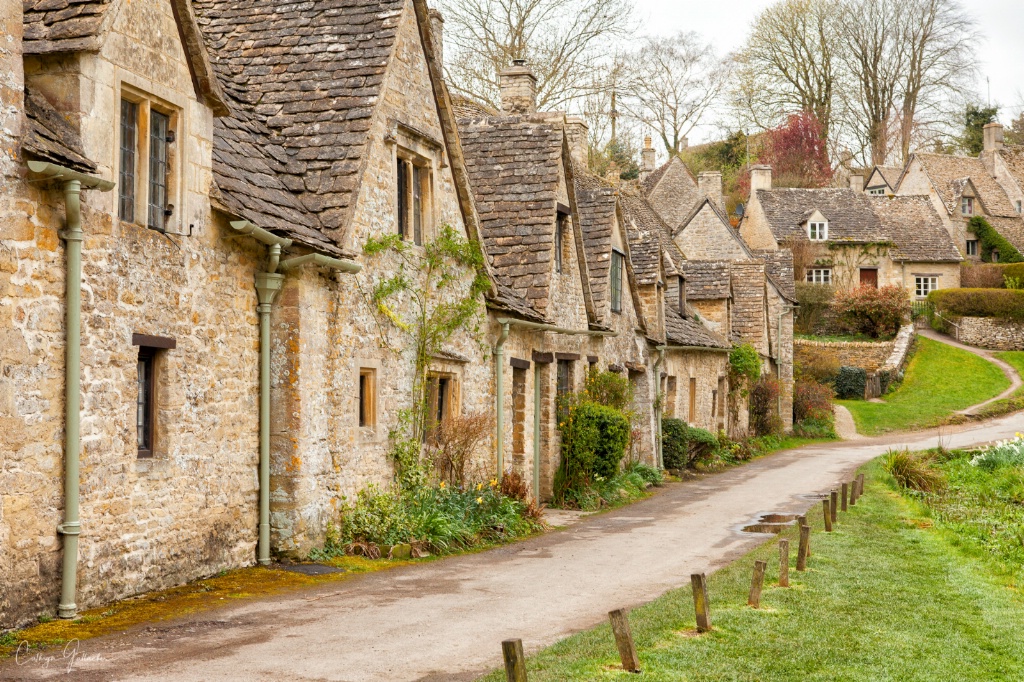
[442,485]
[479,500]
[479,486]
[494,482]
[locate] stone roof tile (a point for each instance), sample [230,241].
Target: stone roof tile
[51,138]
[706,279]
[849,213]
[62,25]
[912,224]
[949,174]
[687,331]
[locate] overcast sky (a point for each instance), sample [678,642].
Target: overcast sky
[726,23]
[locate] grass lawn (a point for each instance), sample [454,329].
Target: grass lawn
[887,597]
[940,380]
[1016,401]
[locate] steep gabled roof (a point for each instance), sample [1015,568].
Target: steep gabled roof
[949,176]
[514,165]
[50,137]
[650,183]
[687,331]
[311,75]
[913,226]
[648,238]
[849,213]
[707,280]
[597,215]
[1013,156]
[464,107]
[62,25]
[890,175]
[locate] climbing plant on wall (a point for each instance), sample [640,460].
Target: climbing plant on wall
[992,241]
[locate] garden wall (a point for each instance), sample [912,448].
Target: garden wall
[867,354]
[991,332]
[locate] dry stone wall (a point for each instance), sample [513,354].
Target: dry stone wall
[868,355]
[994,333]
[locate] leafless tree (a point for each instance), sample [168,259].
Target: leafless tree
[789,64]
[669,84]
[563,41]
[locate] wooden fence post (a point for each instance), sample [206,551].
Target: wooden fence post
[802,552]
[801,522]
[624,640]
[834,505]
[828,516]
[515,661]
[757,584]
[845,494]
[701,603]
[853,492]
[784,563]
[860,485]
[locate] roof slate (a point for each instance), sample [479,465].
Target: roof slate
[687,331]
[912,224]
[51,138]
[62,25]
[597,215]
[513,164]
[779,269]
[891,174]
[706,279]
[849,213]
[949,174]
[1011,228]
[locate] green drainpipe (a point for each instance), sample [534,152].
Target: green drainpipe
[499,390]
[657,401]
[73,183]
[268,285]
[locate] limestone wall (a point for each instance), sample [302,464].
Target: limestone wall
[865,354]
[988,332]
[709,370]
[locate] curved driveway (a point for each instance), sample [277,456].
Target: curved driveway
[445,620]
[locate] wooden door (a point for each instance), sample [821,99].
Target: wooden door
[869,277]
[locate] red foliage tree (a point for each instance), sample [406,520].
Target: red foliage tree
[797,153]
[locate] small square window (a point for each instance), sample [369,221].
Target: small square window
[967,205]
[819,275]
[817,231]
[368,397]
[972,247]
[924,285]
[616,281]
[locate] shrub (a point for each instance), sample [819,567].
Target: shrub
[814,301]
[684,445]
[982,275]
[764,407]
[744,363]
[1003,303]
[875,312]
[1005,453]
[594,440]
[911,472]
[454,442]
[1013,282]
[823,367]
[812,400]
[609,389]
[991,241]
[850,382]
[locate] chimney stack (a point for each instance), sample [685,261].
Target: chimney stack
[760,178]
[577,133]
[649,157]
[437,34]
[710,185]
[993,137]
[857,183]
[612,173]
[518,88]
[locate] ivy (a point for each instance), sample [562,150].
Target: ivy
[745,361]
[991,241]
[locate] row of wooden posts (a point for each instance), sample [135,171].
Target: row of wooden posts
[512,649]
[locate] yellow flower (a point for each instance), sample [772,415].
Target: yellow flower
[494,482]
[479,486]
[479,500]
[442,485]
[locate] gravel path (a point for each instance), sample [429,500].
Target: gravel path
[445,620]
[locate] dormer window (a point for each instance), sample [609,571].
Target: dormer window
[967,205]
[817,231]
[876,192]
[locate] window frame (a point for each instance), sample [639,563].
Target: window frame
[966,205]
[366,412]
[442,401]
[925,284]
[681,284]
[414,196]
[145,402]
[615,281]
[819,227]
[971,248]
[128,152]
[561,223]
[876,191]
[819,276]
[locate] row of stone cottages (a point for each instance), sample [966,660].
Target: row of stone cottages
[193,373]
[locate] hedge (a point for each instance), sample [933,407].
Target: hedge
[991,241]
[851,382]
[1003,303]
[683,445]
[990,275]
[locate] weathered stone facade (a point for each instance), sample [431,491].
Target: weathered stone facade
[988,332]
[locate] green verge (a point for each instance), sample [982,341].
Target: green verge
[1015,402]
[939,381]
[886,598]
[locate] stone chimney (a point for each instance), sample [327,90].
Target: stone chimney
[857,183]
[577,133]
[649,157]
[993,137]
[612,173]
[518,88]
[760,178]
[437,34]
[710,185]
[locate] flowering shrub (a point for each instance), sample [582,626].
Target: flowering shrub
[875,312]
[1004,453]
[764,407]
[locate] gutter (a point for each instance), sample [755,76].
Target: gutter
[499,374]
[73,183]
[268,285]
[657,401]
[709,349]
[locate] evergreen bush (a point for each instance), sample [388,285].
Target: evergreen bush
[1003,303]
[594,439]
[850,382]
[683,445]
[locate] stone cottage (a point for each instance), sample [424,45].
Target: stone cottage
[882,181]
[844,238]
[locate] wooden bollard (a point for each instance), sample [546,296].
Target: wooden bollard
[801,522]
[828,515]
[860,485]
[844,495]
[701,602]
[624,640]
[834,505]
[757,584]
[853,492]
[783,563]
[802,552]
[515,661]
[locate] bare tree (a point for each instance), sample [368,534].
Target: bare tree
[789,64]
[563,41]
[669,84]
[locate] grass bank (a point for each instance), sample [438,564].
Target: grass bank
[940,380]
[1016,401]
[887,597]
